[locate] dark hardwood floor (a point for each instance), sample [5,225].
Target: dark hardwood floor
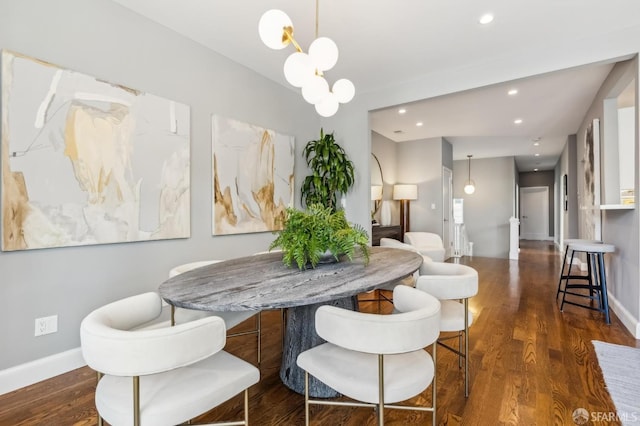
[530,364]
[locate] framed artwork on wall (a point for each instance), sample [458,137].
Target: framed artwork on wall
[565,192]
[253,171]
[589,207]
[86,162]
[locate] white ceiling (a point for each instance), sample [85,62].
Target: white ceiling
[387,42]
[480,122]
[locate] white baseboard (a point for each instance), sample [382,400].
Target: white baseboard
[632,324]
[41,369]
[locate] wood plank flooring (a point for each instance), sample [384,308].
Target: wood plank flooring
[530,364]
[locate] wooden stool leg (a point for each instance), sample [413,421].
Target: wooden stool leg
[603,286]
[564,262]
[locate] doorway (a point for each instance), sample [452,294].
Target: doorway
[534,213]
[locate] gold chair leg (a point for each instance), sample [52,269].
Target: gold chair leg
[380,390]
[173,315]
[466,348]
[460,349]
[136,401]
[306,398]
[246,406]
[434,384]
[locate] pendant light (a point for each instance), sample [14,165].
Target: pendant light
[469,185]
[306,70]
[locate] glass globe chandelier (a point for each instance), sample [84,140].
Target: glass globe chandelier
[306,70]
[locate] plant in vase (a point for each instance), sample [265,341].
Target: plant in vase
[318,234]
[332,172]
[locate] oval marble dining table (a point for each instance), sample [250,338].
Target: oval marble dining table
[263,282]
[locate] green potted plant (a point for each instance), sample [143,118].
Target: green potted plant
[319,234]
[332,172]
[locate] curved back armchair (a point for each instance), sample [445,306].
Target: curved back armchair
[160,376]
[231,318]
[376,359]
[427,243]
[451,282]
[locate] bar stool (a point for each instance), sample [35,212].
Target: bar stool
[568,275]
[596,277]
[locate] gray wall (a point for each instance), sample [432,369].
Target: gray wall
[618,227]
[102,39]
[420,162]
[566,220]
[488,209]
[546,178]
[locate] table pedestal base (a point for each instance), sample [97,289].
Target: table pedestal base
[301,335]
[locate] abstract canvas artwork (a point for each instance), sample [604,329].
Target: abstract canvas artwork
[590,202]
[86,162]
[252,177]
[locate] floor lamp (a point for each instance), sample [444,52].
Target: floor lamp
[405,193]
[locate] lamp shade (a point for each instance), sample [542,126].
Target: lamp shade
[376,192]
[271,28]
[405,192]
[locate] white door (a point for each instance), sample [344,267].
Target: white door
[447,210]
[534,213]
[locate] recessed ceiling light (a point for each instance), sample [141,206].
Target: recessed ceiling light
[402,111]
[536,144]
[419,123]
[518,121]
[536,154]
[535,170]
[512,92]
[486,18]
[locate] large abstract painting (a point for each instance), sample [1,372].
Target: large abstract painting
[590,203]
[89,162]
[252,177]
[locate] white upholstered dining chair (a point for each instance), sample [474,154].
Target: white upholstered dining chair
[231,318]
[163,375]
[380,295]
[427,243]
[453,284]
[378,360]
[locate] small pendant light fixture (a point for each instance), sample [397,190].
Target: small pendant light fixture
[469,185]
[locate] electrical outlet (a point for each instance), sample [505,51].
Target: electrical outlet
[46,325]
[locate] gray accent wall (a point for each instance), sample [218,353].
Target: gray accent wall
[488,209]
[420,162]
[619,227]
[417,162]
[105,40]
